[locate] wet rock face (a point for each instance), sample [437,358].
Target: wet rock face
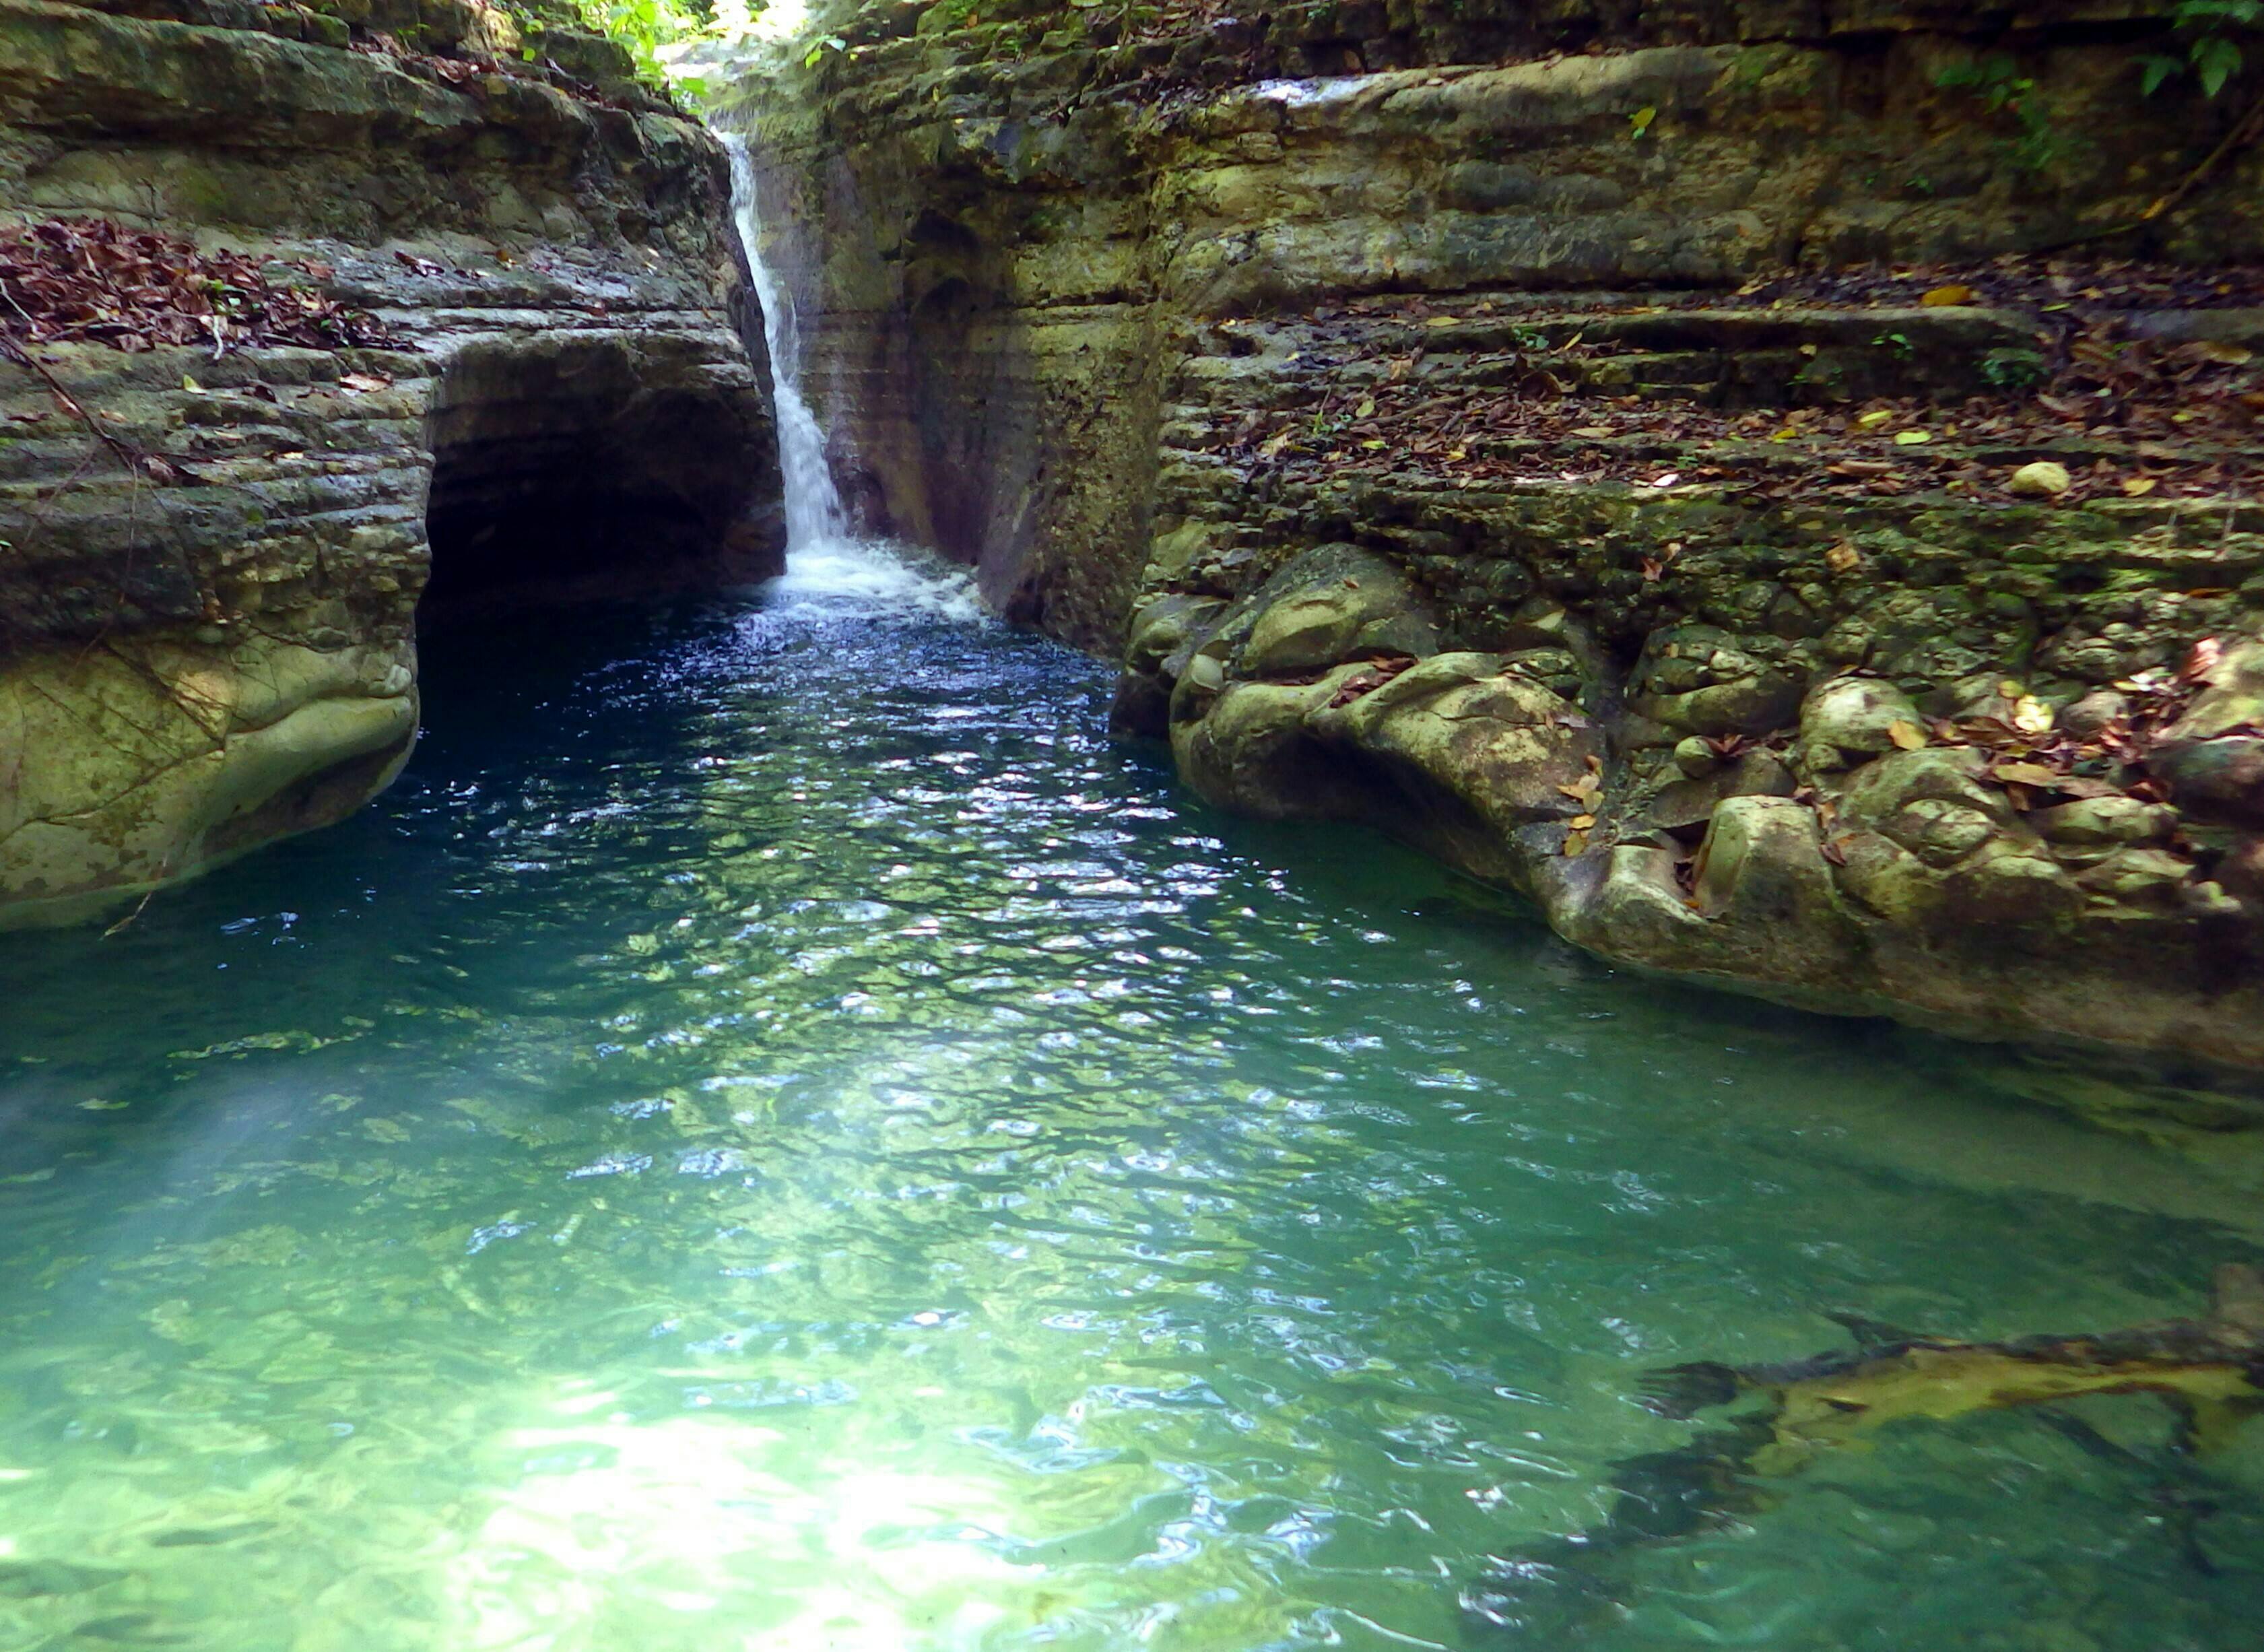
[214,558]
[1616,449]
[1772,819]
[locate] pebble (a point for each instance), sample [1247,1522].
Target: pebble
[1695,758]
[2044,479]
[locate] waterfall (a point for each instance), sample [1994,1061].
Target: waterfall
[826,563]
[814,516]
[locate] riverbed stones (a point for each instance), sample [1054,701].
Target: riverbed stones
[2040,479]
[2093,822]
[1681,806]
[1697,678]
[1847,719]
[2213,756]
[1695,757]
[1332,603]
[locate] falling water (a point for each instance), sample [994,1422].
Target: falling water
[826,560]
[814,516]
[777,1136]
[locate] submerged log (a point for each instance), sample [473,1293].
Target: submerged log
[2209,1371]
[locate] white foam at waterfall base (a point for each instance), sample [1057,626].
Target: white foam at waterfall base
[826,559]
[877,578]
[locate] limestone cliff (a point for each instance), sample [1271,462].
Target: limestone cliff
[1769,479]
[211,552]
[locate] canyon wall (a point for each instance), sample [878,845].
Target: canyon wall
[1771,482]
[327,302]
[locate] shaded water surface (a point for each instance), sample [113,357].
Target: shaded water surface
[776,1136]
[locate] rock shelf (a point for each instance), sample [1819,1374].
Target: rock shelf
[1690,464]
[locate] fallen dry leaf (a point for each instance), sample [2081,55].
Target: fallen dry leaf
[137,290]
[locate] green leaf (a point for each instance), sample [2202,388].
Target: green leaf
[2153,71]
[2191,14]
[2216,60]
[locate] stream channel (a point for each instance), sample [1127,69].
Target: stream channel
[776,1134]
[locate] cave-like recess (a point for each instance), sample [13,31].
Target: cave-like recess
[579,468]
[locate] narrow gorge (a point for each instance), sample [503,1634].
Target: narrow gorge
[968,827]
[1690,465]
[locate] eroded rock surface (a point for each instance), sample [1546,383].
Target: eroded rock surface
[1998,855]
[212,557]
[1647,455]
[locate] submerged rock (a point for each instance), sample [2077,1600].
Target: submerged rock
[1728,1476]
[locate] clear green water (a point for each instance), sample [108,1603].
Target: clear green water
[777,1135]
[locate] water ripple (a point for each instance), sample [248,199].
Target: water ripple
[776,1134]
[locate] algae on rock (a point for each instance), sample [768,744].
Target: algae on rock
[213,553]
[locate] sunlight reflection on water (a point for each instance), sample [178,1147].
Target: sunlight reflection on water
[778,1135]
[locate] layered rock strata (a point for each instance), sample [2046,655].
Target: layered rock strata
[212,555]
[1695,464]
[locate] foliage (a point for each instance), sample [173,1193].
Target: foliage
[657,33]
[2212,56]
[647,27]
[2012,369]
[2039,144]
